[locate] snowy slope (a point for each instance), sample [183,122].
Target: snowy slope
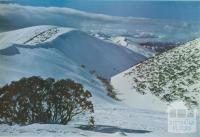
[112,121]
[173,75]
[129,96]
[105,58]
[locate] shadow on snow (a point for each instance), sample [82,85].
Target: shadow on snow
[111,129]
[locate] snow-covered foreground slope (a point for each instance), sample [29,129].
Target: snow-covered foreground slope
[112,121]
[173,75]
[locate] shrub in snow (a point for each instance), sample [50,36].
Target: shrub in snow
[111,92]
[91,122]
[35,100]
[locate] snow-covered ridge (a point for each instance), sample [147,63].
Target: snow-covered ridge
[31,36]
[173,75]
[22,53]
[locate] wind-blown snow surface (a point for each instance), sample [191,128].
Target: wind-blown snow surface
[51,51]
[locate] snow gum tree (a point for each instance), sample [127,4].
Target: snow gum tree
[37,100]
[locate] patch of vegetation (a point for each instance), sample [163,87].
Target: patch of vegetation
[82,66]
[37,100]
[92,72]
[172,75]
[91,122]
[111,92]
[160,47]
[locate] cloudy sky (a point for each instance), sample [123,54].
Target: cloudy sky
[169,20]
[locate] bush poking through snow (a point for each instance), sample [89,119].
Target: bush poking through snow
[111,92]
[82,66]
[91,122]
[35,100]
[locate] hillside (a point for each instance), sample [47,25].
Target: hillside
[51,51]
[173,75]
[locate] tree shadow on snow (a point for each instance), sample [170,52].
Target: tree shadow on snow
[111,129]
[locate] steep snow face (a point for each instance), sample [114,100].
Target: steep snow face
[105,58]
[50,51]
[173,75]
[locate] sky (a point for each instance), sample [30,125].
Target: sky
[178,20]
[189,11]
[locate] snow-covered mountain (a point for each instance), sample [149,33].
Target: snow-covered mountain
[173,75]
[51,51]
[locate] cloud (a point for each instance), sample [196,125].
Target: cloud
[28,15]
[14,16]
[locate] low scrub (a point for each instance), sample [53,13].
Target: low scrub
[110,89]
[37,100]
